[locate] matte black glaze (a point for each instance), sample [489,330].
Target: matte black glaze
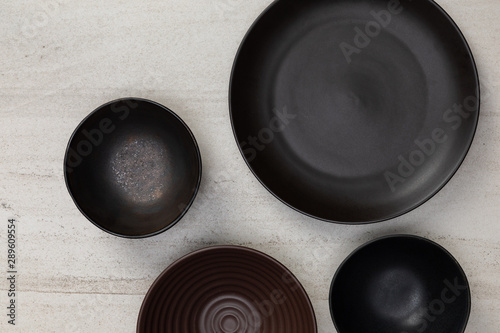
[351,126]
[400,284]
[133,167]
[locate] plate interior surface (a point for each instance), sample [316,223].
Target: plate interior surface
[354,111]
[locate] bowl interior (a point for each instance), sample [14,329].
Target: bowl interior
[133,167]
[400,284]
[227,289]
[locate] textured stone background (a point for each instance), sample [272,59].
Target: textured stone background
[55,68]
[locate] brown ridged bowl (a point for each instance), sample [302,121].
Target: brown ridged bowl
[226,289]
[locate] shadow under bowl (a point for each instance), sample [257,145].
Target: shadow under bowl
[399,284]
[133,168]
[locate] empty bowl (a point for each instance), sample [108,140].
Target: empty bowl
[133,168]
[226,289]
[400,284]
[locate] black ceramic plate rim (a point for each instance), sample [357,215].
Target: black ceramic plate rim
[402,236]
[198,182]
[263,255]
[395,215]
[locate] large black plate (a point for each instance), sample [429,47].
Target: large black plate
[354,111]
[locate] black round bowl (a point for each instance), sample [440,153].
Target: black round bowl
[133,168]
[400,284]
[354,111]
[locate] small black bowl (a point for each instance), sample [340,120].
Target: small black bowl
[133,168]
[400,284]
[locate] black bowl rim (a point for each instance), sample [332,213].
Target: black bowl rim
[198,182]
[389,217]
[402,236]
[263,255]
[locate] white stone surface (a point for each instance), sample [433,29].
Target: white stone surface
[76,278]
